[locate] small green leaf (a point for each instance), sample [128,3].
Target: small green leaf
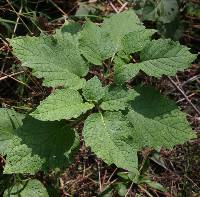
[153,184]
[62,104]
[108,136]
[31,188]
[157,121]
[93,90]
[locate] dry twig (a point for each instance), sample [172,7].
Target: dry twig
[183,93]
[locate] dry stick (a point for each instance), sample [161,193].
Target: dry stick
[129,189]
[143,189]
[63,12]
[183,93]
[21,83]
[19,15]
[113,7]
[191,79]
[120,2]
[123,7]
[111,176]
[17,21]
[11,75]
[183,99]
[100,185]
[104,177]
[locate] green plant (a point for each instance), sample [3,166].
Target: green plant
[118,120]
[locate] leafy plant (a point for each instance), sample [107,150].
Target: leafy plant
[118,121]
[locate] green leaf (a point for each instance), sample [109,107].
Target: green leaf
[159,57]
[62,104]
[95,44]
[39,145]
[93,90]
[55,58]
[136,41]
[31,188]
[9,121]
[157,121]
[71,27]
[162,10]
[118,25]
[108,136]
[152,184]
[117,98]
[120,60]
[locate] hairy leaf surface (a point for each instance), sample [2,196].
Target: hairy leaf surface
[108,136]
[93,90]
[118,25]
[9,121]
[117,98]
[55,58]
[96,45]
[136,41]
[39,145]
[71,27]
[159,57]
[31,188]
[157,121]
[62,104]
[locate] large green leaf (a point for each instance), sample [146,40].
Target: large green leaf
[157,121]
[39,145]
[118,25]
[117,98]
[62,104]
[108,136]
[159,57]
[95,44]
[30,188]
[55,58]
